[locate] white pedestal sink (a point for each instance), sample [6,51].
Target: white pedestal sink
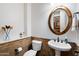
[58,46]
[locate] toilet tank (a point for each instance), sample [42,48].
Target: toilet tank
[36,45]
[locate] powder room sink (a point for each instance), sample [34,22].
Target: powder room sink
[58,46]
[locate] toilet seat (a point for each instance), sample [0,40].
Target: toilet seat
[36,46]
[30,53]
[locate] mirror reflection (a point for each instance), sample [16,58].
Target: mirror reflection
[59,20]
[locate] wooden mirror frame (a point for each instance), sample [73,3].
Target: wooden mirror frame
[69,14]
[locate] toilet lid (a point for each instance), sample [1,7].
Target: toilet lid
[30,53]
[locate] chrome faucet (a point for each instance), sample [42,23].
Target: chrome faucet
[58,39]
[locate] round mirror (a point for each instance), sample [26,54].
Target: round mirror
[60,20]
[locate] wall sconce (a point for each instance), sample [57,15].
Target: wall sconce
[7,29]
[75,23]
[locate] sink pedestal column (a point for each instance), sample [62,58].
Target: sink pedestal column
[57,53]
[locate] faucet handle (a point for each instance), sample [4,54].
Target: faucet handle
[66,40]
[61,41]
[54,40]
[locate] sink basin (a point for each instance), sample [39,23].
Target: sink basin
[58,46]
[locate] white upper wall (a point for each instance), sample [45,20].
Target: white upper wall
[39,18]
[12,14]
[32,19]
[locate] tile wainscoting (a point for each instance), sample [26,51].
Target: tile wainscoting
[8,48]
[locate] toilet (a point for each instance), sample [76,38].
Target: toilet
[36,46]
